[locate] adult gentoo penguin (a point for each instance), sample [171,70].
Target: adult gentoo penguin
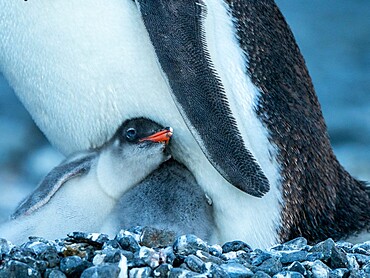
[235,60]
[80,193]
[80,78]
[244,49]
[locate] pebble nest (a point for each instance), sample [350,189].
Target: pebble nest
[150,252]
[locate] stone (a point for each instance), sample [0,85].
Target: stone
[294,244]
[261,274]
[214,270]
[143,272]
[215,250]
[127,241]
[73,265]
[168,255]
[338,258]
[206,257]
[236,246]
[155,238]
[364,246]
[352,262]
[54,273]
[188,244]
[194,263]
[16,269]
[344,245]
[320,270]
[314,256]
[151,257]
[366,268]
[95,239]
[183,273]
[4,247]
[45,252]
[297,267]
[258,257]
[325,247]
[362,259]
[113,255]
[101,271]
[289,257]
[270,266]
[339,273]
[163,270]
[288,274]
[235,270]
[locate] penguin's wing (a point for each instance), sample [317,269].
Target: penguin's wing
[176,30]
[53,182]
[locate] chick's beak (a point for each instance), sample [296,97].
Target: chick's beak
[163,135]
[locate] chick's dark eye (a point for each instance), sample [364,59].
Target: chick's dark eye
[131,133]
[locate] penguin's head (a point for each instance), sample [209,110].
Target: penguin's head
[138,147]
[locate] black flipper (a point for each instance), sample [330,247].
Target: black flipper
[176,30]
[53,182]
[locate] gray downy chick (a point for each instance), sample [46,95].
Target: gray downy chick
[78,194]
[169,198]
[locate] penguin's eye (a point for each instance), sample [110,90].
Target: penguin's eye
[131,134]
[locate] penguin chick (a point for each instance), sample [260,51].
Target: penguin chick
[169,198]
[80,192]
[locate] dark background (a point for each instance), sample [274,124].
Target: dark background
[334,37]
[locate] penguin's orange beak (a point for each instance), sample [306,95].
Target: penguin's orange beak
[161,136]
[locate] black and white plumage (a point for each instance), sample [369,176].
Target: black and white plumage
[319,199]
[169,198]
[80,192]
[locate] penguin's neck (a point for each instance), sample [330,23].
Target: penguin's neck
[116,175]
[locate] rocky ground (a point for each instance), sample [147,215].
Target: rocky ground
[148,252]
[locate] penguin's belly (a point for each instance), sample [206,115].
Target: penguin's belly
[82,68]
[79,205]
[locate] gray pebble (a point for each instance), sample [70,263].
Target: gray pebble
[235,270]
[258,257]
[366,268]
[194,263]
[101,271]
[294,244]
[91,238]
[162,270]
[314,256]
[288,274]
[352,262]
[236,246]
[183,273]
[214,270]
[153,237]
[15,269]
[339,273]
[151,257]
[292,256]
[320,270]
[4,247]
[143,272]
[297,267]
[189,244]
[54,273]
[362,259]
[261,274]
[208,258]
[127,241]
[270,266]
[73,265]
